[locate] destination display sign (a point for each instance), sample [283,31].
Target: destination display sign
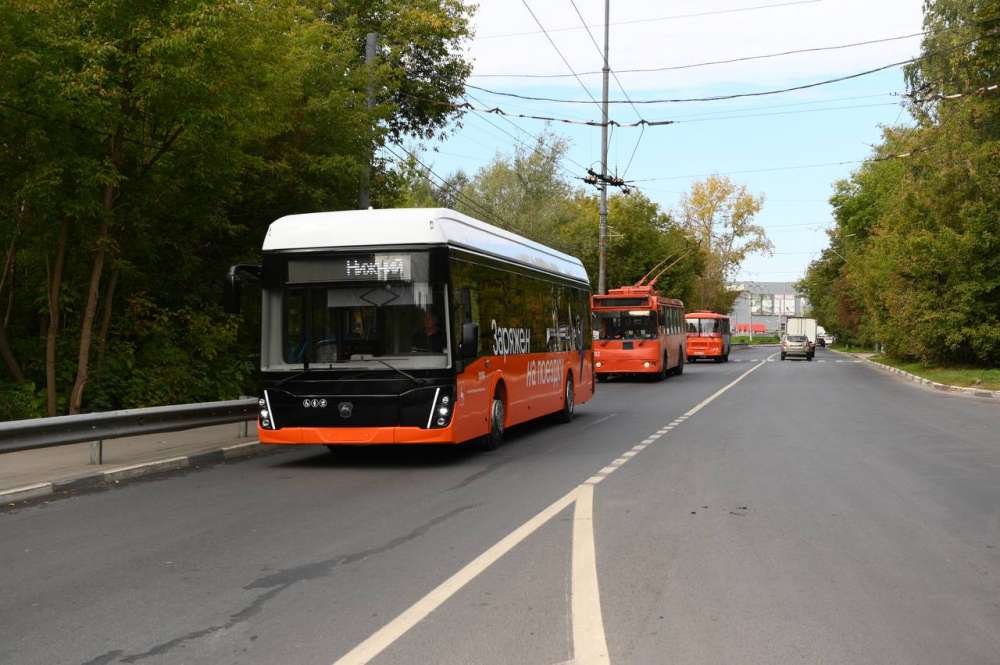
[361,268]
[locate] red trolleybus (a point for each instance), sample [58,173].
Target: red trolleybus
[708,336]
[414,326]
[638,332]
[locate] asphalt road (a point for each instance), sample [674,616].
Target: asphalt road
[818,512]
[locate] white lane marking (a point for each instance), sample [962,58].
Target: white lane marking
[392,631]
[601,420]
[589,644]
[630,453]
[708,400]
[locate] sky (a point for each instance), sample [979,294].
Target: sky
[789,147]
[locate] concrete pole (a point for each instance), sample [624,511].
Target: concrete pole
[602,284]
[371,51]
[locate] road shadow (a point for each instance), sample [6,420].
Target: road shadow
[392,457]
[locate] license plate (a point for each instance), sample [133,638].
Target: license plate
[699,353]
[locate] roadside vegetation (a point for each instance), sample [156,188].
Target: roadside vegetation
[145,147]
[914,259]
[757,339]
[974,377]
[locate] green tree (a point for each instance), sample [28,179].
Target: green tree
[719,215]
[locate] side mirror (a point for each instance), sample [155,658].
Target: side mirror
[470,340]
[231,294]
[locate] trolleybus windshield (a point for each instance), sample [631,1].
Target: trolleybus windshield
[374,307]
[637,324]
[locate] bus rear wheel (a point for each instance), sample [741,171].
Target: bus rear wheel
[680,363]
[565,414]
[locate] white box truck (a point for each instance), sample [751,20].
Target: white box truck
[800,325]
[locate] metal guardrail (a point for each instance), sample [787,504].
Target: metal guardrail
[36,433]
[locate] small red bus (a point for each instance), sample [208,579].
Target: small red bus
[414,326]
[638,332]
[708,336]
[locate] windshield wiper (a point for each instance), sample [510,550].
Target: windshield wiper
[285,380]
[409,376]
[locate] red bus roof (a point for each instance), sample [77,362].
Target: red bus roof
[705,314]
[634,297]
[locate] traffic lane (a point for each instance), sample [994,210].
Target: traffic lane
[194,566]
[815,512]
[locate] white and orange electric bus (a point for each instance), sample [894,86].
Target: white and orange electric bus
[414,326]
[638,332]
[708,336]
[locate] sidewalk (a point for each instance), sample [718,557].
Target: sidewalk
[33,473]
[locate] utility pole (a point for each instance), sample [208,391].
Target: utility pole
[603,228]
[371,48]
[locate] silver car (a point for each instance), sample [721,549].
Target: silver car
[796,345]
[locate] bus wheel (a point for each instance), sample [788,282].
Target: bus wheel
[569,404]
[725,357]
[495,437]
[664,372]
[680,363]
[602,378]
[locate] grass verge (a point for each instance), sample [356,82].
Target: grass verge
[988,378]
[757,339]
[847,348]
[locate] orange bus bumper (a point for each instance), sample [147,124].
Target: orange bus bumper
[699,347]
[355,436]
[618,362]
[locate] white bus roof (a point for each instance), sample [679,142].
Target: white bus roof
[416,226]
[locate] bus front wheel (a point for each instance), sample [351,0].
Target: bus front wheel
[680,363]
[565,414]
[495,436]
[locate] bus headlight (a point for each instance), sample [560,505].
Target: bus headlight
[647,364]
[598,364]
[441,406]
[264,415]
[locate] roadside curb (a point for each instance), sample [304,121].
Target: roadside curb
[944,387]
[118,474]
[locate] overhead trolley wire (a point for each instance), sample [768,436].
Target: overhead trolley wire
[556,48]
[883,158]
[712,98]
[654,19]
[738,95]
[748,58]
[621,87]
[482,208]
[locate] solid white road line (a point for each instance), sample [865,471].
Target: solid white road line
[589,644]
[586,609]
[377,643]
[705,402]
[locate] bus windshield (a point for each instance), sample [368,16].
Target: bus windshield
[352,323]
[626,325]
[704,326]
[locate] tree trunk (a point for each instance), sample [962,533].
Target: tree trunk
[51,335]
[8,355]
[102,336]
[90,309]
